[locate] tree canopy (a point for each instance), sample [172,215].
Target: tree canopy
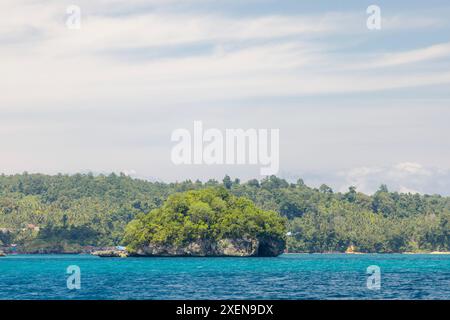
[83,209]
[207,214]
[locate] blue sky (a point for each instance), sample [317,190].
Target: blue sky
[354,106]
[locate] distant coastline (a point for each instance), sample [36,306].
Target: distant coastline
[114,252]
[82,213]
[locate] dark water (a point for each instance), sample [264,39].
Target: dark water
[299,276]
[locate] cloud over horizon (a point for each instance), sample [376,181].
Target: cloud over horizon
[106,97]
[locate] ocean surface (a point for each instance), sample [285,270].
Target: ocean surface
[291,276]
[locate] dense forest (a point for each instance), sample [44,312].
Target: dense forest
[65,213]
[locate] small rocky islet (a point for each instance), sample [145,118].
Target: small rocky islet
[203,248]
[204,223]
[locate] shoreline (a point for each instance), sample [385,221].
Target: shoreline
[4,254]
[357,253]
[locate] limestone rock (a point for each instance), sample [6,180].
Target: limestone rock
[222,248]
[110,254]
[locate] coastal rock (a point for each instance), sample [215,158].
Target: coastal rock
[110,254]
[222,248]
[166,250]
[269,247]
[237,247]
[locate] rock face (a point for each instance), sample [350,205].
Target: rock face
[221,248]
[271,247]
[110,254]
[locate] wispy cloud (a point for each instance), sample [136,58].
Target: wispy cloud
[192,56]
[405,177]
[437,51]
[137,67]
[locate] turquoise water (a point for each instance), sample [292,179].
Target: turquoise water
[294,276]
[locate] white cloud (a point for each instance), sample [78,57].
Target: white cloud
[405,177]
[260,56]
[412,21]
[407,190]
[436,51]
[129,172]
[411,168]
[106,97]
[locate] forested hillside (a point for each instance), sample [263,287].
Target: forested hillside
[65,212]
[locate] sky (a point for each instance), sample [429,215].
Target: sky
[353,106]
